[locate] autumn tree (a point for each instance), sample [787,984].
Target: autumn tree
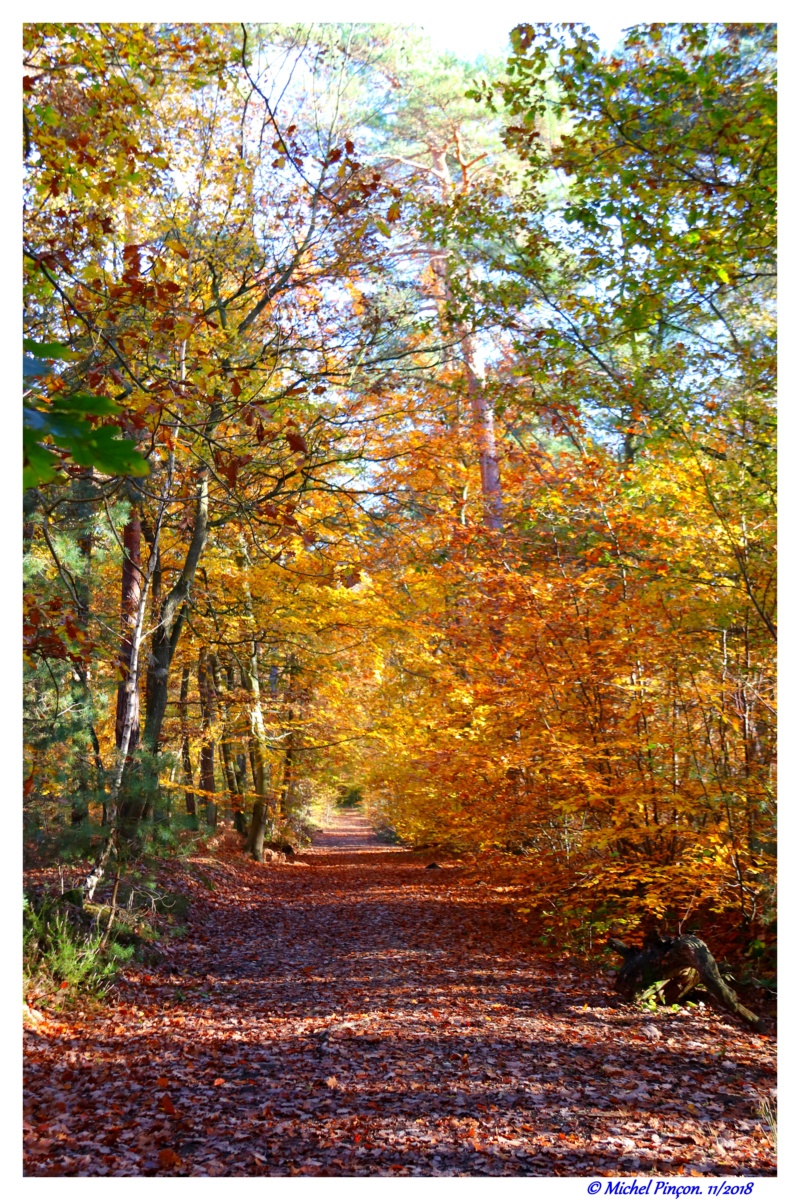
[409,425]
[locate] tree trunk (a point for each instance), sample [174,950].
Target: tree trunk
[171,615]
[483,426]
[136,797]
[282,806]
[258,758]
[482,410]
[258,830]
[116,812]
[238,762]
[127,697]
[225,744]
[293,696]
[685,959]
[83,490]
[186,757]
[208,714]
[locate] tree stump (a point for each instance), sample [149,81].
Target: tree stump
[686,962]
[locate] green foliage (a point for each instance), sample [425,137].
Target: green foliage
[657,255]
[75,841]
[653,996]
[65,953]
[69,422]
[351,798]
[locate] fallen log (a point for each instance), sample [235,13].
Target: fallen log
[684,961]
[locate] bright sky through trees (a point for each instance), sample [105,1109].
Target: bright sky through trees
[487,32]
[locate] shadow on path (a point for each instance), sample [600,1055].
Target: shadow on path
[351,1013]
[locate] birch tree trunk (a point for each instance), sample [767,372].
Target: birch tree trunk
[259,759]
[258,756]
[81,689]
[131,684]
[127,699]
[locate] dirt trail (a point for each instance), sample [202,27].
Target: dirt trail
[357,1014]
[347,830]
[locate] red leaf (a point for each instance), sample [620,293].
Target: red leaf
[297,443]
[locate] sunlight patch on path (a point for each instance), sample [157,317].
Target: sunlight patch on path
[349,832]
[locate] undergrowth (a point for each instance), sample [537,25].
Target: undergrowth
[73,950]
[66,954]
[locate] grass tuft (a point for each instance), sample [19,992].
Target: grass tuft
[65,953]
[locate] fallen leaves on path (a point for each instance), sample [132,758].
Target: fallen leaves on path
[357,1014]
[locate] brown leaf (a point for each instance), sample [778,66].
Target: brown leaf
[297,443]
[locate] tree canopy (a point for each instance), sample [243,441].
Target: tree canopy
[408,426]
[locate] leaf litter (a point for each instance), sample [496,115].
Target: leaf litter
[352,1013]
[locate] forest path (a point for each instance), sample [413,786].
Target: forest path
[347,829]
[356,1014]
